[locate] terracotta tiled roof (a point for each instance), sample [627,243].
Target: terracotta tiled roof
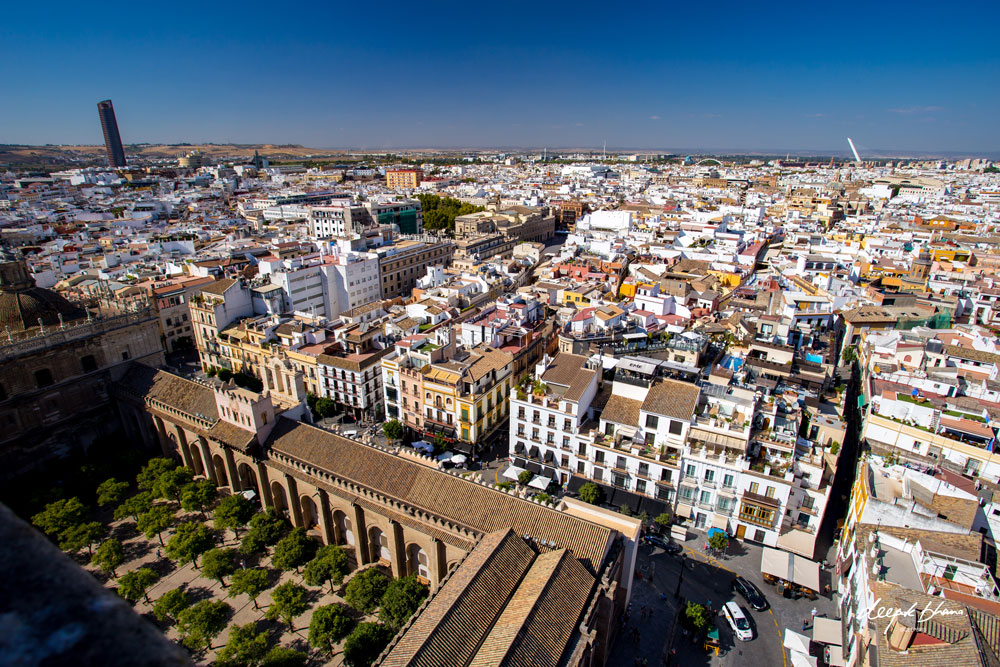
[219,286]
[567,370]
[453,624]
[184,395]
[621,410]
[541,617]
[672,398]
[480,508]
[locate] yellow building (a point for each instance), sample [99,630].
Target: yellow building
[405,179]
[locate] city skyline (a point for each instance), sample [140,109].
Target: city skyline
[554,76]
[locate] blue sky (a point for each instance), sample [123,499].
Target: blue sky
[912,77]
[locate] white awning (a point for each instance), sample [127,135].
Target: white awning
[512,472]
[540,482]
[801,659]
[827,631]
[796,642]
[459,459]
[720,522]
[790,567]
[684,511]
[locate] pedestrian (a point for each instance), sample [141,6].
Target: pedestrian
[157,554]
[805,624]
[814,612]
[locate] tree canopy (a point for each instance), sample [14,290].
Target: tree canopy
[266,528]
[202,622]
[60,515]
[440,212]
[402,597]
[170,604]
[330,623]
[288,600]
[245,647]
[169,483]
[154,521]
[393,429]
[111,491]
[281,656]
[366,643]
[82,535]
[663,520]
[525,476]
[591,493]
[150,473]
[294,551]
[251,582]
[233,513]
[718,541]
[330,564]
[197,496]
[134,506]
[133,585]
[696,616]
[190,541]
[109,556]
[365,590]
[218,564]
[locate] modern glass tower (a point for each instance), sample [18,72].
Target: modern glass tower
[112,140]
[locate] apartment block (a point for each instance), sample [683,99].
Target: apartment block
[403,179]
[402,264]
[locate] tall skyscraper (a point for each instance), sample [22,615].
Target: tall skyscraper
[112,140]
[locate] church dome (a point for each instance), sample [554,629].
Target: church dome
[23,304]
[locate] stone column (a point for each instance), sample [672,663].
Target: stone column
[293,501]
[206,455]
[182,444]
[439,563]
[361,534]
[264,484]
[326,518]
[234,474]
[398,549]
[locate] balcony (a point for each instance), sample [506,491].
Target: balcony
[723,510]
[708,483]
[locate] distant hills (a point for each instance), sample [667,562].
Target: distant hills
[23,156]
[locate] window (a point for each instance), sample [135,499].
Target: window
[88,363]
[598,474]
[710,476]
[640,486]
[644,469]
[706,497]
[727,481]
[581,467]
[754,487]
[582,449]
[687,493]
[663,493]
[619,480]
[676,427]
[599,456]
[665,475]
[564,461]
[691,471]
[769,492]
[620,463]
[565,442]
[652,421]
[43,378]
[125,355]
[465,415]
[567,425]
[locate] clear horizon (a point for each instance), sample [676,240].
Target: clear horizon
[727,78]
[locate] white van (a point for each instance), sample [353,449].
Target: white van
[738,621]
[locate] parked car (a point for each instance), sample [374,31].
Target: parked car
[738,621]
[750,593]
[665,544]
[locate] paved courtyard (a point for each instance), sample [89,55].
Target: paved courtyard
[143,552]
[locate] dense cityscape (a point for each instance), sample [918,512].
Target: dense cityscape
[347,408]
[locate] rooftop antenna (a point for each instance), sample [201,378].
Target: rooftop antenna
[854,150]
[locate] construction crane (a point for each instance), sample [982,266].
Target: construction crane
[855,151]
